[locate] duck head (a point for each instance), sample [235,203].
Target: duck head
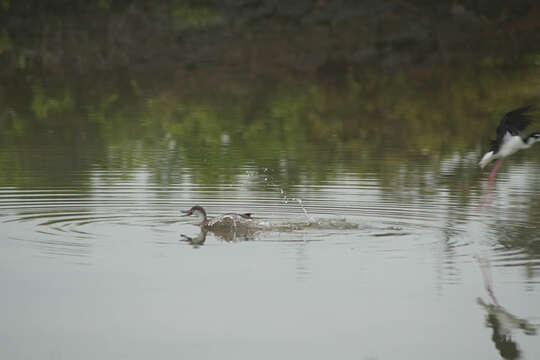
[196,210]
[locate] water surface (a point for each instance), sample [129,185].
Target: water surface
[351,130]
[94,264]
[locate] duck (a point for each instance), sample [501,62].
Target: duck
[510,138]
[228,220]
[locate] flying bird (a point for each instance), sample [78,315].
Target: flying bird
[510,138]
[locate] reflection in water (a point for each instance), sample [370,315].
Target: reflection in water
[503,322]
[361,222]
[368,114]
[231,232]
[487,195]
[485,268]
[195,241]
[229,227]
[499,319]
[228,235]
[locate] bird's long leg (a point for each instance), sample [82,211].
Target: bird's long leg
[487,195]
[491,176]
[485,267]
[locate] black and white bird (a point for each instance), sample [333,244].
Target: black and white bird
[510,137]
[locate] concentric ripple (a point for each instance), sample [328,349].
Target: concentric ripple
[74,219]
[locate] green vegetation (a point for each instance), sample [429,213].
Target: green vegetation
[5,42]
[287,88]
[291,121]
[44,105]
[185,14]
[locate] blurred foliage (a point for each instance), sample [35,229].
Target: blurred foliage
[227,125]
[5,42]
[21,62]
[186,14]
[270,90]
[43,105]
[399,129]
[262,36]
[104,4]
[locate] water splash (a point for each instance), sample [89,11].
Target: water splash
[309,217]
[283,194]
[261,226]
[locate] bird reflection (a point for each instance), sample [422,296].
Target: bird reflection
[228,227]
[228,235]
[487,195]
[195,241]
[503,322]
[500,320]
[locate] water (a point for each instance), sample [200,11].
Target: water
[93,263]
[351,131]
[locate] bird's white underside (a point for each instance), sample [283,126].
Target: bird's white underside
[510,144]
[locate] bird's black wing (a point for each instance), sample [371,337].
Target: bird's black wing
[513,122]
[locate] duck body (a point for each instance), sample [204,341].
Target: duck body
[229,220]
[225,221]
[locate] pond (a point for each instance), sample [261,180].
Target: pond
[375,234]
[367,249]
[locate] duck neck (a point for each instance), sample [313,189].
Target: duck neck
[204,219]
[202,215]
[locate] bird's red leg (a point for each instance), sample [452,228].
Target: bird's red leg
[485,267]
[491,176]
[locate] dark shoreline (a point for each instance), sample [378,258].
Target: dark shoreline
[261,37]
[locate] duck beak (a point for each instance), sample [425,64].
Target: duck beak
[186,212]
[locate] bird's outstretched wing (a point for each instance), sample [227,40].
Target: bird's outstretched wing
[513,122]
